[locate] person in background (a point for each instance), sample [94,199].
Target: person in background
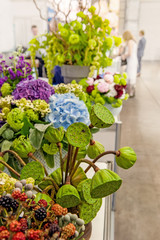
[140,51]
[34,30]
[130,55]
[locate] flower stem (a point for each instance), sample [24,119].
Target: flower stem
[16,156]
[101,155]
[61,159]
[10,168]
[74,159]
[35,159]
[54,183]
[68,159]
[86,161]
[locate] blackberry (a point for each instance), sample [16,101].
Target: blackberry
[53,228]
[9,203]
[40,214]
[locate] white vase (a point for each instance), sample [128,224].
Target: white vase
[115,111]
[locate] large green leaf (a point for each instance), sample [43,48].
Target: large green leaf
[26,127]
[3,128]
[42,127]
[35,138]
[15,165]
[6,145]
[42,196]
[49,160]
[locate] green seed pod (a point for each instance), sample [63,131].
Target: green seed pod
[94,149]
[101,117]
[78,177]
[87,211]
[85,192]
[67,196]
[127,157]
[104,183]
[78,135]
[22,146]
[81,153]
[54,135]
[57,176]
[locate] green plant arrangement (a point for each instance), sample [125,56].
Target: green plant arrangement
[82,42]
[69,185]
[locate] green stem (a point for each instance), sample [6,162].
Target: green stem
[16,156]
[74,159]
[101,155]
[61,159]
[86,161]
[54,183]
[10,168]
[68,159]
[35,159]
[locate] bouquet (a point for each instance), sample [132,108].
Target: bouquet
[106,88]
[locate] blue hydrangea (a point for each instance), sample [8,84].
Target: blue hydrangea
[67,109]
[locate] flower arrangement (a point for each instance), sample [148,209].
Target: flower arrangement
[32,90]
[68,185]
[106,88]
[19,70]
[82,42]
[25,215]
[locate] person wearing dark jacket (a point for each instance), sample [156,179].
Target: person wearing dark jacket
[140,51]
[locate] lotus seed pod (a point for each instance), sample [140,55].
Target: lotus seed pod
[73,217]
[23,181]
[101,117]
[104,183]
[76,234]
[85,192]
[80,221]
[78,177]
[54,135]
[94,149]
[88,212]
[127,157]
[78,135]
[30,180]
[67,218]
[28,186]
[81,153]
[29,194]
[67,196]
[18,185]
[57,176]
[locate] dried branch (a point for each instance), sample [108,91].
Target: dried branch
[40,13]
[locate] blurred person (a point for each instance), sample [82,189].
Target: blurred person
[34,30]
[130,56]
[140,51]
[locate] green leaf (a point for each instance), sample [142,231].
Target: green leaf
[42,127]
[6,145]
[94,130]
[26,127]
[34,170]
[49,160]
[15,165]
[35,138]
[8,134]
[42,196]
[3,128]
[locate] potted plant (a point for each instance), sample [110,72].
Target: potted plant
[107,89]
[79,46]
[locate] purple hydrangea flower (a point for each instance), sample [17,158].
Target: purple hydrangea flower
[33,89]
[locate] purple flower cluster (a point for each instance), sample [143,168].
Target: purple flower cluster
[3,80]
[33,89]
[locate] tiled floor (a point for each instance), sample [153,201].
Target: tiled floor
[137,214]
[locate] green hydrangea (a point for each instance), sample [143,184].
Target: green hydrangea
[6,89]
[15,119]
[23,146]
[33,116]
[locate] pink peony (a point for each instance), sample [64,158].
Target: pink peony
[108,78]
[90,81]
[103,87]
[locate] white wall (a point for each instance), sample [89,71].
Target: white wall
[149,21]
[16,19]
